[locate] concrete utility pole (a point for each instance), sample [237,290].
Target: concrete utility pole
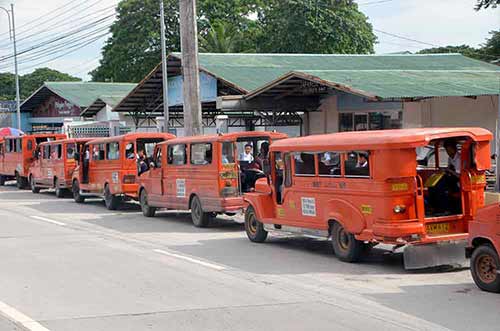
[164,69]
[12,32]
[190,71]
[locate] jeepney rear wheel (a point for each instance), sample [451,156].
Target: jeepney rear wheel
[254,229]
[34,189]
[76,192]
[200,218]
[19,181]
[485,268]
[111,200]
[2,180]
[60,192]
[147,210]
[346,247]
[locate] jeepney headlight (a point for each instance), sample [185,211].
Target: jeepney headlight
[398,209]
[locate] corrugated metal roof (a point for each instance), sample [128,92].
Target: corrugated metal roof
[385,76]
[81,94]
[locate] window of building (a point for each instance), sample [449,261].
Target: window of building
[304,164]
[357,164]
[227,152]
[113,151]
[329,164]
[177,154]
[70,151]
[362,121]
[201,154]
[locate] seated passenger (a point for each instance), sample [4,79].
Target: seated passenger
[247,155]
[454,157]
[362,160]
[142,162]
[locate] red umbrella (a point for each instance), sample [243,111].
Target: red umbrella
[10,132]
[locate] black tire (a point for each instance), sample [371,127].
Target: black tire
[76,193]
[19,181]
[2,180]
[200,218]
[346,247]
[147,210]
[34,188]
[60,192]
[484,268]
[254,229]
[111,201]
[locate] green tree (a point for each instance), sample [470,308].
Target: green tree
[221,37]
[321,26]
[29,83]
[491,50]
[487,3]
[462,49]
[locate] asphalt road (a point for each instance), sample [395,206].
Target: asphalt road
[66,266]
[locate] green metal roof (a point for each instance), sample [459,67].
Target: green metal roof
[382,76]
[81,94]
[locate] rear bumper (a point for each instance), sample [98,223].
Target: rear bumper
[232,204]
[392,230]
[442,253]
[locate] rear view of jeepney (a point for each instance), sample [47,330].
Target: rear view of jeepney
[438,195]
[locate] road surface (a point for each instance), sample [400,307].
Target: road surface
[68,266]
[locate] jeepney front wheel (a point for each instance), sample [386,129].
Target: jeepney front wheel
[76,192]
[254,229]
[34,189]
[147,210]
[200,218]
[111,200]
[485,268]
[346,247]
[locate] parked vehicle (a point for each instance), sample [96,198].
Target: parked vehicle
[483,248]
[109,167]
[16,156]
[364,188]
[54,165]
[206,174]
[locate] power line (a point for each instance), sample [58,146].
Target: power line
[406,38]
[373,2]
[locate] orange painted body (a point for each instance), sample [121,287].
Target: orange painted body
[16,153]
[116,168]
[485,228]
[56,163]
[216,184]
[388,205]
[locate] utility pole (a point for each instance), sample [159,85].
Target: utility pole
[190,69]
[12,33]
[166,115]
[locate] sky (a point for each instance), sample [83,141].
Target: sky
[429,22]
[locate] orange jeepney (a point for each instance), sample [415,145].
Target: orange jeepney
[54,165]
[365,188]
[206,174]
[109,167]
[16,156]
[484,246]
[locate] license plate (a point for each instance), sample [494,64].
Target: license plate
[434,228]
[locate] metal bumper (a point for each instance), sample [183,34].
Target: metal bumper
[443,253]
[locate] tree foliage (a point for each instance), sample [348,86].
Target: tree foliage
[322,26]
[489,52]
[291,26]
[486,4]
[29,83]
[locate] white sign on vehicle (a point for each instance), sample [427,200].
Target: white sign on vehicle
[115,178]
[308,206]
[49,173]
[180,185]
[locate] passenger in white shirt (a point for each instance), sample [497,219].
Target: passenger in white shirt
[454,158]
[247,155]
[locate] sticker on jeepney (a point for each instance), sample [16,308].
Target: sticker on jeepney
[180,185]
[308,206]
[115,178]
[280,212]
[366,209]
[49,173]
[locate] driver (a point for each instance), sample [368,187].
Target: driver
[454,158]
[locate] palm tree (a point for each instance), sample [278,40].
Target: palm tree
[221,37]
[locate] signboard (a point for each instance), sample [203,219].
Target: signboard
[208,89]
[56,107]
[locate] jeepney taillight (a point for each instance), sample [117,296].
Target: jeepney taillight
[129,179]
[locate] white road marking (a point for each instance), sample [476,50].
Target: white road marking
[48,220]
[19,318]
[190,259]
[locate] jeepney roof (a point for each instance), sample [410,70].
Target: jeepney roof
[39,135]
[378,139]
[132,136]
[226,137]
[66,141]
